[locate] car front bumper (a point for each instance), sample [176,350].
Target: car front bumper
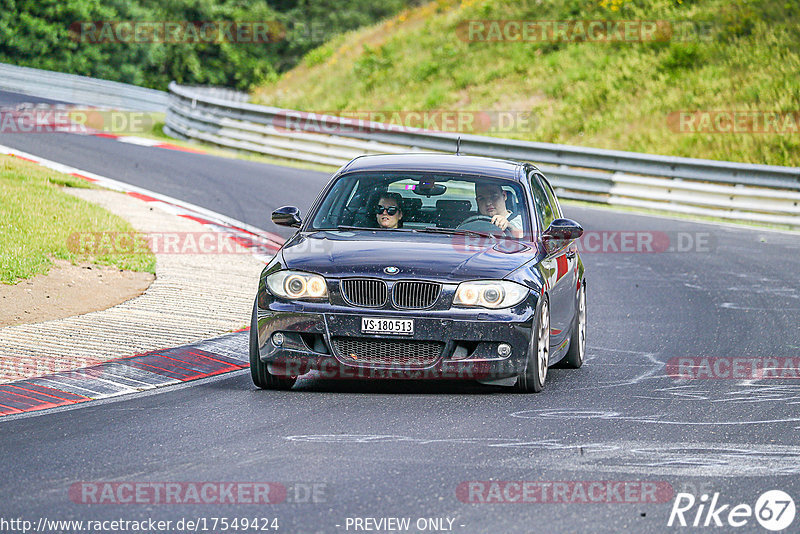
[453,344]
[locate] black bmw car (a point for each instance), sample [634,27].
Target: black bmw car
[424,266]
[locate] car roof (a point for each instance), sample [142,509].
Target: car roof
[429,162]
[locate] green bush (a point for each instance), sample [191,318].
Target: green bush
[681,57]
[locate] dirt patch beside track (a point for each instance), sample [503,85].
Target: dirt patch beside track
[68,290]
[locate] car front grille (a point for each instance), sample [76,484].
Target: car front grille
[365,292]
[415,295]
[387,352]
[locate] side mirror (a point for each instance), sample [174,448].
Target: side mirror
[287,216]
[560,234]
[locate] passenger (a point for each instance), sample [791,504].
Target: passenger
[491,201]
[388,211]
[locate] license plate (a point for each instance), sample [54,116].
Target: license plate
[380,325]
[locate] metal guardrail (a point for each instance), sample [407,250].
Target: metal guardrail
[81,89]
[758,193]
[220,93]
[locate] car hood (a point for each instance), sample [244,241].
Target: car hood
[416,255]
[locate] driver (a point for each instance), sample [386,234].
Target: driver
[491,201]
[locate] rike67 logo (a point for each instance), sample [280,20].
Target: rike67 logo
[774,510]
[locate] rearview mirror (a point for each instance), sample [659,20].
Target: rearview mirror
[560,234]
[428,187]
[287,216]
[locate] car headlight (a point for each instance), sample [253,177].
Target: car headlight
[489,294]
[297,285]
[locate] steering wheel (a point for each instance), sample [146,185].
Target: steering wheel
[482,223]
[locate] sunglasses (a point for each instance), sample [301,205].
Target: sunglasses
[391,210]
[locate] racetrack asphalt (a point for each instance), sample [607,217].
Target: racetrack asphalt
[401,449]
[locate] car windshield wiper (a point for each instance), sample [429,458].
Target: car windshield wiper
[452,231]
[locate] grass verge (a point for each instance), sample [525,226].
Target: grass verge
[37,219]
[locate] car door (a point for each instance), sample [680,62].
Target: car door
[559,268]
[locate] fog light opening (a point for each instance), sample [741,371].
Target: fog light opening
[504,350]
[460,353]
[464,350]
[314,342]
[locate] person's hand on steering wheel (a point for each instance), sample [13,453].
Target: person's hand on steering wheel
[486,224]
[501,221]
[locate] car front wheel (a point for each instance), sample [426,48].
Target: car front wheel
[258,369]
[531,380]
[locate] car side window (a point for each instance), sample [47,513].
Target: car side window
[333,207]
[551,196]
[541,204]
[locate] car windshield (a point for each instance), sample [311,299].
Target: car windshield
[416,201]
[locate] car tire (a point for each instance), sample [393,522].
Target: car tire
[577,342]
[262,378]
[532,379]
